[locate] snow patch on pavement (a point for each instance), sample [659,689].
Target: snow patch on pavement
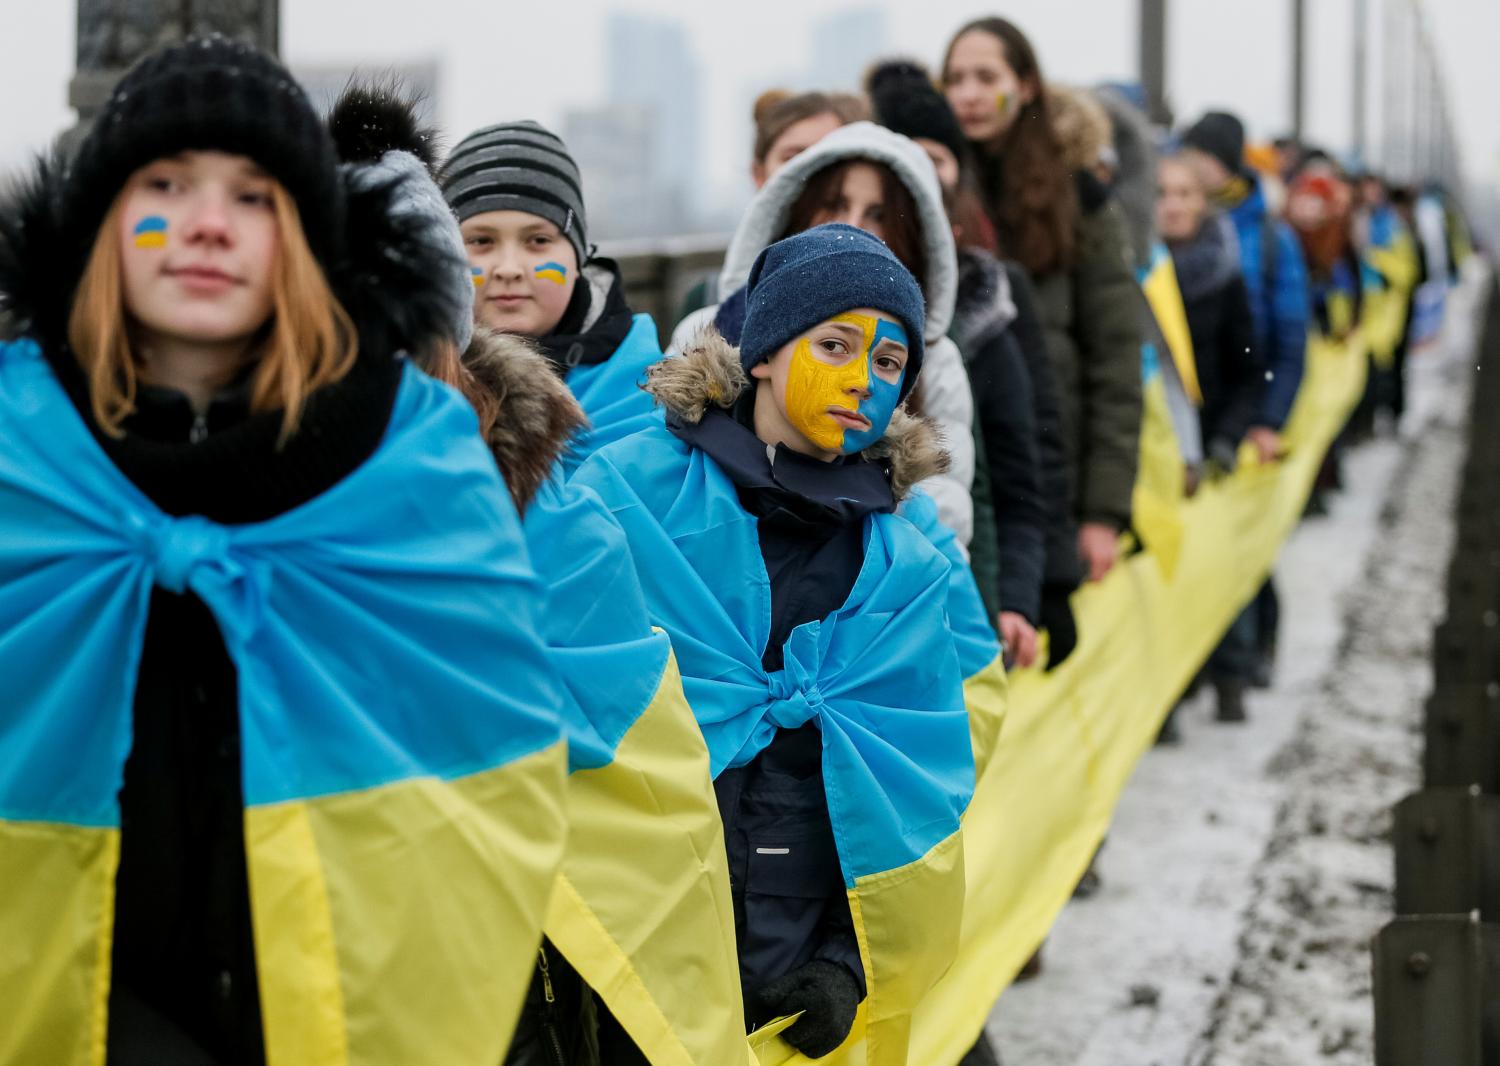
[1248,866]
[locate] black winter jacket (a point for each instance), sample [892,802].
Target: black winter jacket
[790,904]
[1016,405]
[1231,366]
[1005,411]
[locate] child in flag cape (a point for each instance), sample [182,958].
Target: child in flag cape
[810,622]
[281,766]
[519,198]
[620,977]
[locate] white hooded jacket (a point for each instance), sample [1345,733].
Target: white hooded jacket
[946,398]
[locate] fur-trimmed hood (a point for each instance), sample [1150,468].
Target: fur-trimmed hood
[387,274]
[536,417]
[1080,124]
[766,217]
[1135,169]
[708,374]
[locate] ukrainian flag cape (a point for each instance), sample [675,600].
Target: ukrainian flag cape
[402,758]
[642,906]
[1389,269]
[879,677]
[610,392]
[980,658]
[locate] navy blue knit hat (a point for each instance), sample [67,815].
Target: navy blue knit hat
[821,272]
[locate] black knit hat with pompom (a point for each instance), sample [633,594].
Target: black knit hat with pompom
[209,93]
[906,101]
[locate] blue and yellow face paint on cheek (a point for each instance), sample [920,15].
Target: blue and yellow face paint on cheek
[476,275]
[813,386]
[150,232]
[553,272]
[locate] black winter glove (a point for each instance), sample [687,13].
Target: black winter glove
[1057,620]
[827,995]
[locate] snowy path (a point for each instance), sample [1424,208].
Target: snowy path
[1248,867]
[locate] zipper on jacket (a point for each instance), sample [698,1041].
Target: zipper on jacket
[199,433]
[549,1010]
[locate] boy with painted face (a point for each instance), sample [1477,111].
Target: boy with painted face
[841,383]
[810,623]
[519,201]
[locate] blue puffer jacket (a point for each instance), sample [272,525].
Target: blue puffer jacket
[1280,300]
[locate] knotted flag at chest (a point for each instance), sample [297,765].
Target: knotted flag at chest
[879,677]
[401,747]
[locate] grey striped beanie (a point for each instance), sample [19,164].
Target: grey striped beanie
[518,166]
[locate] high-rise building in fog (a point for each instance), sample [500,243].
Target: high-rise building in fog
[637,152]
[844,45]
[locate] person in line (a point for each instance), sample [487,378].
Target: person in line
[810,623]
[869,177]
[1388,264]
[639,777]
[1280,304]
[1230,374]
[222,524]
[1059,222]
[519,201]
[786,124]
[1020,489]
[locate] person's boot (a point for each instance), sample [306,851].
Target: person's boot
[1033,967]
[1090,883]
[1263,673]
[981,1054]
[1231,701]
[1170,735]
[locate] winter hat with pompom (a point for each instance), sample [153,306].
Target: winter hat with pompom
[379,141]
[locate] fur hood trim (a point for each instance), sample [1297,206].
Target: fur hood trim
[1080,125]
[1135,173]
[387,275]
[708,373]
[537,418]
[766,216]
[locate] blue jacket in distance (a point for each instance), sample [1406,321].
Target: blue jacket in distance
[1280,300]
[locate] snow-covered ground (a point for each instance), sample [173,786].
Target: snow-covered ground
[1248,867]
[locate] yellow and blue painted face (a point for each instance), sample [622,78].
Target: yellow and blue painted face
[553,272]
[150,232]
[819,387]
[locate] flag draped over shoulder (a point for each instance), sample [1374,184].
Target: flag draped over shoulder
[610,392]
[642,907]
[979,654]
[880,677]
[401,747]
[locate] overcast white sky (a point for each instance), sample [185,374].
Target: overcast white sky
[506,60]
